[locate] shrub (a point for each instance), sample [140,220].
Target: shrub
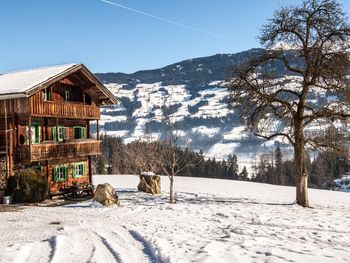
[28,185]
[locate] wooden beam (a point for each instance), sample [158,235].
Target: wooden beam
[14,138]
[90,172]
[88,129]
[17,131]
[11,137]
[46,124]
[30,137]
[56,129]
[6,142]
[47,173]
[97,130]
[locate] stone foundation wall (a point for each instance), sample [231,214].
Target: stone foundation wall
[2,173]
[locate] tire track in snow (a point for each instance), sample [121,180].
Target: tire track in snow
[53,244]
[29,252]
[105,242]
[148,250]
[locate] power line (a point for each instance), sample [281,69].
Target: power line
[170,21]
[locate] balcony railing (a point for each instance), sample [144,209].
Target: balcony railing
[67,110]
[54,150]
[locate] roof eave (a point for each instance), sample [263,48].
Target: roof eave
[103,88]
[12,96]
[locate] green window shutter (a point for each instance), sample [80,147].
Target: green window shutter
[54,132]
[84,169]
[84,133]
[55,173]
[76,132]
[74,171]
[66,172]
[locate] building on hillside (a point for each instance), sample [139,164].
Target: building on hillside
[45,117]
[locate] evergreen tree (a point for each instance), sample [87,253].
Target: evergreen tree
[232,164]
[278,167]
[100,165]
[244,174]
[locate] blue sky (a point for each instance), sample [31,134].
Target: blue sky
[107,38]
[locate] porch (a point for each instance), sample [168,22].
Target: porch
[51,150]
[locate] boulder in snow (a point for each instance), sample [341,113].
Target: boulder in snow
[149,183]
[106,195]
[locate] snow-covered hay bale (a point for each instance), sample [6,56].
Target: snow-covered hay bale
[149,183]
[29,185]
[106,195]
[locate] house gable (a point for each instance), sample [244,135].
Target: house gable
[26,83]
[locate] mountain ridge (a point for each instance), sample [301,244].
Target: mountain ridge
[198,104]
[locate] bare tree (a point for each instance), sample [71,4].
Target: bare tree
[172,159]
[172,162]
[142,156]
[162,156]
[311,41]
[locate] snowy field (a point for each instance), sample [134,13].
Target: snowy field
[212,221]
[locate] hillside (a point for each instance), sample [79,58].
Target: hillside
[193,94]
[212,221]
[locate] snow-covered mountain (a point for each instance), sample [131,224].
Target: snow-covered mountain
[193,94]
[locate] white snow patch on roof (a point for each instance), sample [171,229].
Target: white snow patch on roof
[23,81]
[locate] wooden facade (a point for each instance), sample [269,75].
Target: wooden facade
[49,128]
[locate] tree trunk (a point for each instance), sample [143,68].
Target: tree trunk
[171,197]
[300,168]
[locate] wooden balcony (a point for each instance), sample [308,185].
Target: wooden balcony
[54,150]
[65,109]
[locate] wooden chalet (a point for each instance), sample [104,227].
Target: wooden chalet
[45,117]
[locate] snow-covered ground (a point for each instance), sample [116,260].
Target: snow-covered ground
[212,221]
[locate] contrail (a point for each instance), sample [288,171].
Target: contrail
[170,21]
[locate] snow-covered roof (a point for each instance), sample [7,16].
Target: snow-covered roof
[18,83]
[25,82]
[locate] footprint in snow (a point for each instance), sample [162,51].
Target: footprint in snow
[222,215]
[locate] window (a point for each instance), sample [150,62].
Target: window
[60,173]
[35,132]
[79,170]
[79,132]
[60,132]
[46,94]
[67,95]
